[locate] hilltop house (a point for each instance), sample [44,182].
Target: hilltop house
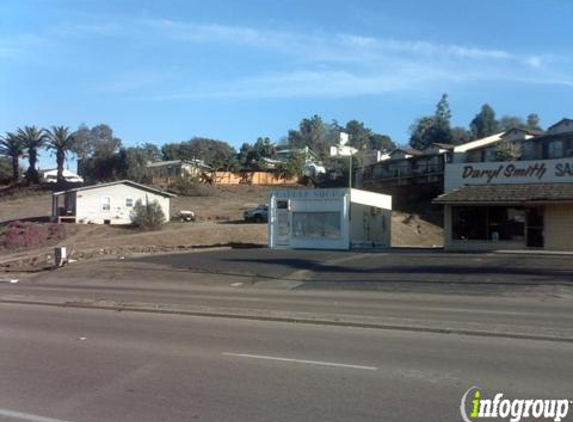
[106,203]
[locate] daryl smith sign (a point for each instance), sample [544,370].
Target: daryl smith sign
[516,172]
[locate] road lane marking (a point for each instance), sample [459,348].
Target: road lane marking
[27,417]
[308,362]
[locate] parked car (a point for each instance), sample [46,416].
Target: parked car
[259,214]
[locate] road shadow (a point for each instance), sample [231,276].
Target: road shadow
[424,273]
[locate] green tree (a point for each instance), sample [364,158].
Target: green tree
[421,132]
[148,216]
[511,122]
[532,122]
[5,170]
[13,147]
[33,139]
[359,134]
[293,167]
[381,142]
[312,133]
[137,160]
[249,156]
[100,156]
[217,154]
[508,151]
[61,141]
[433,129]
[97,141]
[461,135]
[484,124]
[441,130]
[151,151]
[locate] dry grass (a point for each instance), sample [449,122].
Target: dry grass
[219,221]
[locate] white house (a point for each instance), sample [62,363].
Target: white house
[329,219]
[106,203]
[51,176]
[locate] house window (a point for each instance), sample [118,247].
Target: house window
[555,149]
[105,203]
[129,202]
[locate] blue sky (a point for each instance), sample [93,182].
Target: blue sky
[163,71]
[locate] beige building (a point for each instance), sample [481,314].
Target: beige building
[526,203]
[166,172]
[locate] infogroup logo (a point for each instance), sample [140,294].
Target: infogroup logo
[474,406]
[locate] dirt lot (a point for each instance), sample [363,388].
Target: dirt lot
[219,222]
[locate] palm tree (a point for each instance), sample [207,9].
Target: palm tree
[33,139]
[13,147]
[61,140]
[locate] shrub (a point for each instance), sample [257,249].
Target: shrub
[21,235]
[147,216]
[189,187]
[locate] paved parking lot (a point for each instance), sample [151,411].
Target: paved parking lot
[397,269]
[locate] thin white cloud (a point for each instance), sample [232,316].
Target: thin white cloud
[315,64]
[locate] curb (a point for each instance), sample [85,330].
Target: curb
[286,319]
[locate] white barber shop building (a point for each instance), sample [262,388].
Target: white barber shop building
[329,219]
[520,204]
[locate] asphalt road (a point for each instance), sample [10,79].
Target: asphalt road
[512,295]
[88,365]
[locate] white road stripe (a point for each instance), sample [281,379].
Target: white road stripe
[27,417]
[309,362]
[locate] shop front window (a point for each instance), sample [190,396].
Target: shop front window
[488,223]
[316,225]
[469,223]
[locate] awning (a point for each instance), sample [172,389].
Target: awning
[507,194]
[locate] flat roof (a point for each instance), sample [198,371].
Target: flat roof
[507,194]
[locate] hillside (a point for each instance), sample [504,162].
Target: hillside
[219,222]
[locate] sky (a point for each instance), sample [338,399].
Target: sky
[166,71]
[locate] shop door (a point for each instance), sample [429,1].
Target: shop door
[283,228]
[535,227]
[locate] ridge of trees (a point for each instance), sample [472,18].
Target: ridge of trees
[437,128]
[102,156]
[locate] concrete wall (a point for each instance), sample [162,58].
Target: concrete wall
[559,227]
[89,204]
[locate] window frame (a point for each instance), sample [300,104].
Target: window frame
[103,203]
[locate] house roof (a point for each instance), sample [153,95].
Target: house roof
[560,122]
[479,143]
[508,194]
[119,182]
[65,172]
[532,132]
[444,146]
[199,163]
[409,151]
